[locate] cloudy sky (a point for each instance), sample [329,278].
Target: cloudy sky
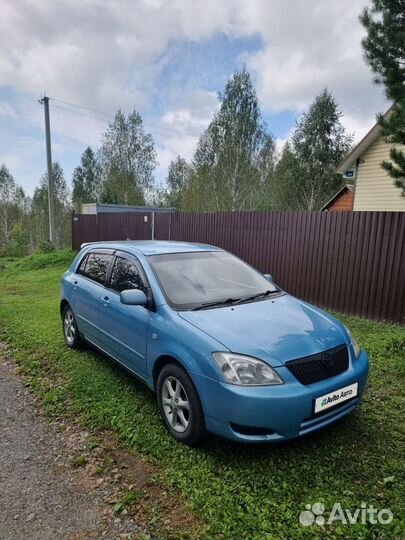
[169,59]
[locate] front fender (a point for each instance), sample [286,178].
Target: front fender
[170,335]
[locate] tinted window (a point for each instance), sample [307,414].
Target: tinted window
[125,275]
[97,266]
[191,279]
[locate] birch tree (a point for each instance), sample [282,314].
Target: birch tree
[7,201]
[128,158]
[230,166]
[177,181]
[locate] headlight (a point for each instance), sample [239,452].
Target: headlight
[356,347]
[244,370]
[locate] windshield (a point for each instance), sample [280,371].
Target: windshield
[190,280]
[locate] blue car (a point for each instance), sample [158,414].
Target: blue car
[224,348]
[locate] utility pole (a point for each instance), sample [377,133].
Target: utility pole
[52,237]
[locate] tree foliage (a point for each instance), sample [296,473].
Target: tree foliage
[177,181]
[127,159]
[7,195]
[306,175]
[62,208]
[235,155]
[86,180]
[287,176]
[384,51]
[24,220]
[235,166]
[12,210]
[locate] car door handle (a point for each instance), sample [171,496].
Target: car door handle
[105,300]
[75,284]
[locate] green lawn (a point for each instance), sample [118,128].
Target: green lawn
[238,492]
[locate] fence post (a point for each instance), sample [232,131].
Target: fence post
[153,225]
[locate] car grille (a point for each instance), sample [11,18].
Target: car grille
[320,366]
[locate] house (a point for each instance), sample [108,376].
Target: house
[342,201]
[374,188]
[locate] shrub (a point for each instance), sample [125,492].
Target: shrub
[19,241]
[38,261]
[46,246]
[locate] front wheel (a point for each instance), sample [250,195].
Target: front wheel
[70,330]
[180,406]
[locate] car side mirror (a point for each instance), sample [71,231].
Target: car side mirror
[133,297]
[269,277]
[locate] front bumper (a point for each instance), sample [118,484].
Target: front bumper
[276,413]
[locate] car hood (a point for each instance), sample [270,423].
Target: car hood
[275,330]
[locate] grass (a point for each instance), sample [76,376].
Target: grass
[238,492]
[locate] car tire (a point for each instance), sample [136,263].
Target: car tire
[183,419]
[70,330]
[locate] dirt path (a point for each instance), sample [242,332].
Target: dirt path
[55,483]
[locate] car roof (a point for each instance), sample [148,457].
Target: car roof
[153,247]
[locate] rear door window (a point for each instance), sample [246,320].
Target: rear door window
[96,267]
[82,265]
[126,275]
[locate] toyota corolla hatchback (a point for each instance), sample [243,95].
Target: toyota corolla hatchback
[224,348]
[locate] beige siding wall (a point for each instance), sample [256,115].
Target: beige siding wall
[374,188]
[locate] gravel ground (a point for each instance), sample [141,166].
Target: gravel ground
[45,491]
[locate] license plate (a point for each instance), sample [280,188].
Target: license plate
[337,396]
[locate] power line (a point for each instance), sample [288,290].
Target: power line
[153,126]
[81,107]
[79,113]
[104,120]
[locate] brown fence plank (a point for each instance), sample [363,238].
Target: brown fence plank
[398,305]
[393,265]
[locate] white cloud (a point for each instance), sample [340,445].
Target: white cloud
[195,113]
[185,125]
[307,46]
[280,143]
[357,126]
[98,53]
[19,153]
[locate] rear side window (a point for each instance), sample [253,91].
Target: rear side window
[82,265]
[125,275]
[96,267]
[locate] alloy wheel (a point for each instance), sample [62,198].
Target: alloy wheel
[69,327]
[176,404]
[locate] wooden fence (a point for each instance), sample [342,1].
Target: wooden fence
[351,262]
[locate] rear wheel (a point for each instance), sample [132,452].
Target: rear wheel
[180,406]
[70,330]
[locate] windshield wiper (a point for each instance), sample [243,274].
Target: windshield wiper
[207,305]
[255,296]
